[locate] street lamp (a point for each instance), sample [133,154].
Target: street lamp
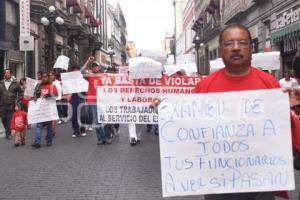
[197,43]
[50,20]
[111,53]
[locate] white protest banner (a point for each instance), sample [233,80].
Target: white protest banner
[73,82]
[225,143]
[189,68]
[121,100]
[159,56]
[265,61]
[42,110]
[62,62]
[142,67]
[30,86]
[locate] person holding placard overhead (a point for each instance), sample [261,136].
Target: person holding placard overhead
[93,77]
[235,46]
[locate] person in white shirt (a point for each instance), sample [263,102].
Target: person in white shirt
[288,81]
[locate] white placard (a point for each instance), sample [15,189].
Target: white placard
[159,56]
[189,68]
[226,143]
[142,67]
[42,110]
[73,82]
[62,62]
[30,87]
[265,61]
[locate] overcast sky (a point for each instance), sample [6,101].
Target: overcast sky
[147,21]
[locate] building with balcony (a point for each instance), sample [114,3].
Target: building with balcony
[116,35]
[274,25]
[10,56]
[179,42]
[78,35]
[207,25]
[284,30]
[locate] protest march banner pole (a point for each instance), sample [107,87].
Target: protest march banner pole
[227,142]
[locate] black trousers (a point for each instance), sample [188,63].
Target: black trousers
[6,113]
[62,108]
[77,116]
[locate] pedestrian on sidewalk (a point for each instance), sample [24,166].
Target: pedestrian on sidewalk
[93,77]
[9,94]
[18,124]
[44,90]
[76,99]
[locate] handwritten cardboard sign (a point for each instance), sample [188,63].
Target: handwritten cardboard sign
[30,87]
[42,110]
[62,62]
[73,82]
[225,143]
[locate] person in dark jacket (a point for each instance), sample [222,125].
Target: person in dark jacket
[9,94]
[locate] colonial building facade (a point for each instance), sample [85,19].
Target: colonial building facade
[274,26]
[83,33]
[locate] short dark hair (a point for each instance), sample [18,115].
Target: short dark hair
[8,69]
[234,25]
[74,67]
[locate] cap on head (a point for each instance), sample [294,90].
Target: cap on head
[95,63]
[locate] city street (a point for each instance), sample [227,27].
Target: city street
[77,168]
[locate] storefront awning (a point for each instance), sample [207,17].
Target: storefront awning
[292,30]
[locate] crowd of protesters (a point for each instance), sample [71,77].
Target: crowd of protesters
[14,106]
[235,46]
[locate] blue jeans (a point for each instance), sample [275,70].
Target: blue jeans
[101,132]
[38,132]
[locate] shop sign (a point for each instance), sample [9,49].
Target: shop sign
[288,17]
